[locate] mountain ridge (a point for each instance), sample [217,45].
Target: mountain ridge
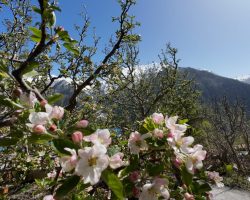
[211,85]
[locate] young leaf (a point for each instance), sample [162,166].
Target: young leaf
[60,144]
[71,48]
[68,185]
[187,178]
[36,9]
[40,139]
[3,66]
[9,103]
[37,34]
[113,183]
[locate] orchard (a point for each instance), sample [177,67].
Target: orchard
[75,147]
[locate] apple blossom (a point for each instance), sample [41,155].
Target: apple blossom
[101,136]
[137,142]
[194,159]
[29,100]
[179,142]
[51,174]
[188,196]
[158,118]
[93,160]
[82,124]
[39,129]
[158,133]
[48,197]
[77,137]
[172,126]
[69,162]
[152,191]
[115,161]
[216,178]
[38,118]
[55,112]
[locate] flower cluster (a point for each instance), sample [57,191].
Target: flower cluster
[216,178]
[91,161]
[192,157]
[42,121]
[172,136]
[87,156]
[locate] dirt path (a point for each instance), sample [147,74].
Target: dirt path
[227,193]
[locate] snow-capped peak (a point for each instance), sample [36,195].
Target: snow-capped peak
[243,77]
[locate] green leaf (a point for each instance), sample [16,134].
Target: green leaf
[30,74]
[9,103]
[3,75]
[183,121]
[60,144]
[35,38]
[154,170]
[40,138]
[71,48]
[64,35]
[36,9]
[55,8]
[3,66]
[4,142]
[149,124]
[200,187]
[37,34]
[187,178]
[68,185]
[113,183]
[55,98]
[51,18]
[229,168]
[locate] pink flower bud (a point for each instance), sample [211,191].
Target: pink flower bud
[53,128]
[188,196]
[134,176]
[158,133]
[158,118]
[18,112]
[170,135]
[39,129]
[177,163]
[43,102]
[82,124]
[136,192]
[77,137]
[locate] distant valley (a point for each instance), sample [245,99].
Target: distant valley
[212,86]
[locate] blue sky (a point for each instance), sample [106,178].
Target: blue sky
[209,34]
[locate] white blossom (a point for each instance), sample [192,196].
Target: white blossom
[101,136]
[137,143]
[93,160]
